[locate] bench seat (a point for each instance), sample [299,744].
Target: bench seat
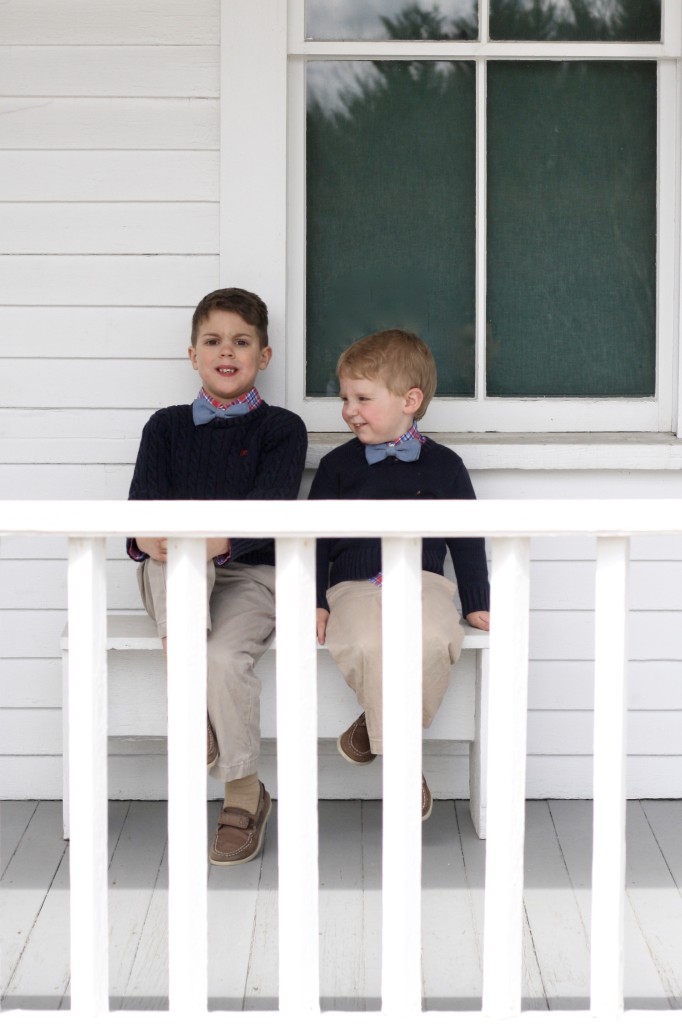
[137,716]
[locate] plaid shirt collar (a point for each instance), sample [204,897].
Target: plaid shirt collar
[251,398]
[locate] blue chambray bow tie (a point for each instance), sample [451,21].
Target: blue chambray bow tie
[406,451]
[204,412]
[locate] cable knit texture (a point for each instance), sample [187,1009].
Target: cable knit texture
[259,456]
[438,473]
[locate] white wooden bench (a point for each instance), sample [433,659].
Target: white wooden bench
[137,719]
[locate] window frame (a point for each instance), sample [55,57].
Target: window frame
[263,208]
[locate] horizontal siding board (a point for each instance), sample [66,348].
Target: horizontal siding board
[56,483]
[29,731]
[569,586]
[31,683]
[42,122]
[107,280]
[109,71]
[43,585]
[118,22]
[571,733]
[99,382]
[109,176]
[108,228]
[82,332]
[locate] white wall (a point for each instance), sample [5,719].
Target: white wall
[108,237]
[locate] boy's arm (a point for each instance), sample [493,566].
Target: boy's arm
[469,559]
[151,481]
[324,487]
[279,474]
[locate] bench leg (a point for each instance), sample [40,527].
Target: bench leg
[478,750]
[65,745]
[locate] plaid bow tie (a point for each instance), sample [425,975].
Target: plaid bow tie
[407,451]
[204,412]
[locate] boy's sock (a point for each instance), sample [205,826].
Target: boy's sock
[243,793]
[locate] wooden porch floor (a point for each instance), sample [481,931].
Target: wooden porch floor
[34,913]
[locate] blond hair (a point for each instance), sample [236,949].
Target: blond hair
[397,358]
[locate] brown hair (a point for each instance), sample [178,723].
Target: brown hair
[399,359]
[248,305]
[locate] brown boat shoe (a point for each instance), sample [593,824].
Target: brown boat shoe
[239,835]
[212,752]
[427,800]
[353,744]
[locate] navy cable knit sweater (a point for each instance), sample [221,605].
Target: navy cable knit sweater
[437,473]
[260,455]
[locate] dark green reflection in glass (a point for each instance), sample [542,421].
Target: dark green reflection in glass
[571,228]
[578,20]
[391,211]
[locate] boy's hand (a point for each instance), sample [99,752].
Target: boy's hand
[322,617]
[480,620]
[155,547]
[215,547]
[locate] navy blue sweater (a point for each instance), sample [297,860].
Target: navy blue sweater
[437,473]
[259,455]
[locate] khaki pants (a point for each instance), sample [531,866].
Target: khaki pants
[241,624]
[354,642]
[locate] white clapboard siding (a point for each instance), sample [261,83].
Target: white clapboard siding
[31,683]
[107,280]
[33,584]
[99,382]
[100,70]
[121,123]
[118,23]
[109,176]
[46,482]
[84,333]
[78,228]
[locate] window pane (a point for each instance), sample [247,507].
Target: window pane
[390,19]
[391,211]
[572,228]
[597,20]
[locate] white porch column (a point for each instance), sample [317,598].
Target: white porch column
[610,711]
[88,778]
[299,973]
[402,730]
[507,712]
[187,846]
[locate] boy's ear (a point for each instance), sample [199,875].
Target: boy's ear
[413,399]
[265,357]
[192,353]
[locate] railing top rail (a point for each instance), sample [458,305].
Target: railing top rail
[425,518]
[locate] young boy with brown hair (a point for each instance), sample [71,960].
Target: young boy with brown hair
[386,383]
[228,444]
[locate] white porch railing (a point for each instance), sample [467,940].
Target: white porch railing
[509,525]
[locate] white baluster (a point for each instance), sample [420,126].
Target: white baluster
[187,844]
[299,976]
[88,777]
[402,731]
[610,710]
[507,709]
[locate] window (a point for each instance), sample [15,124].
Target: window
[499,176]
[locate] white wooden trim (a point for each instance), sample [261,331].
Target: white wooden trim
[667,233]
[187,903]
[450,49]
[482,518]
[253,165]
[507,710]
[610,709]
[299,974]
[402,714]
[481,356]
[88,782]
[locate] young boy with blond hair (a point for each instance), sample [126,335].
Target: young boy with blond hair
[386,383]
[228,444]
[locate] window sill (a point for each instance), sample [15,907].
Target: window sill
[612,451]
